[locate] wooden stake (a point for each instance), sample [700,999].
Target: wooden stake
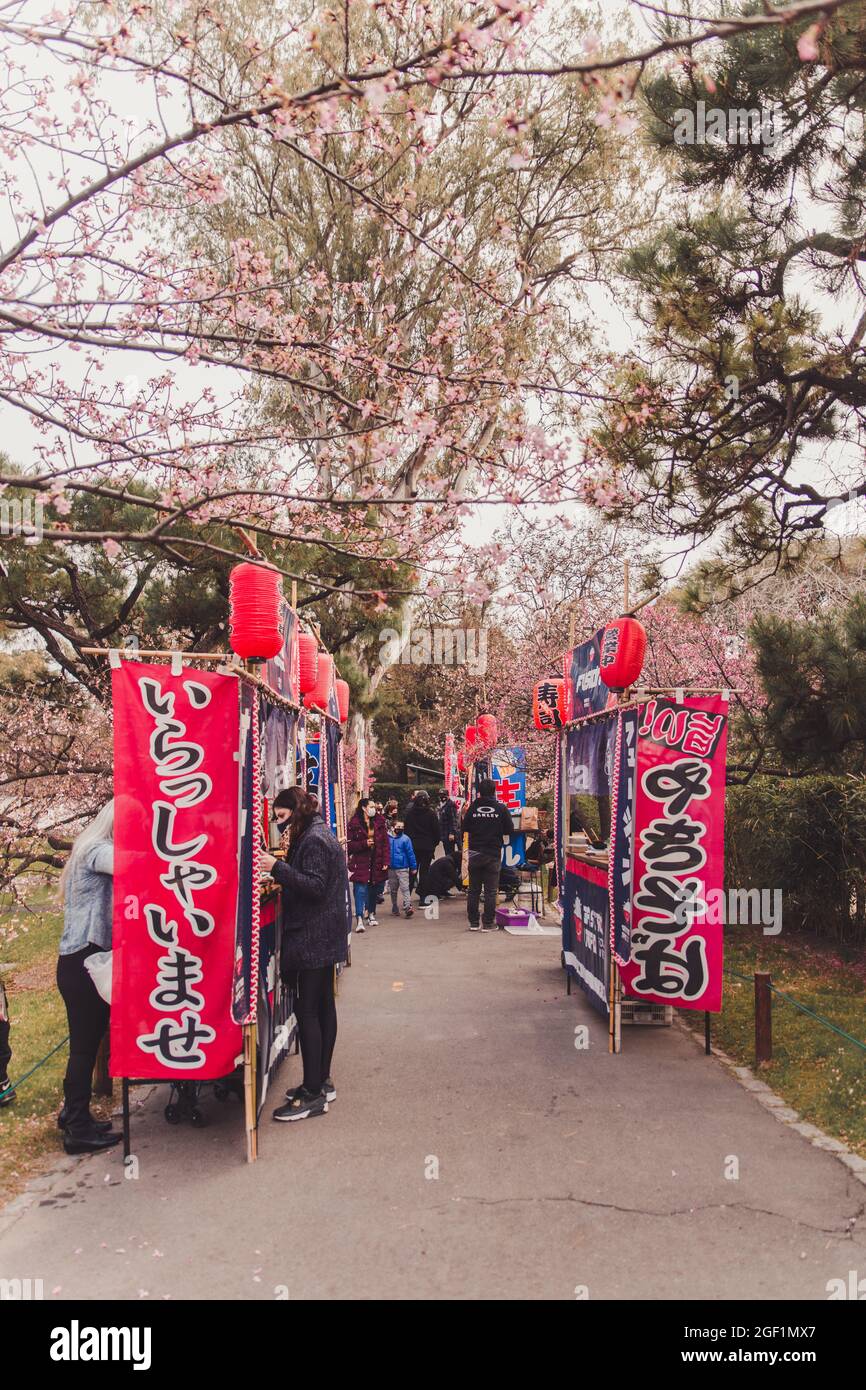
[763,1018]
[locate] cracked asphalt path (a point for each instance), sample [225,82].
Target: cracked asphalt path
[558,1170]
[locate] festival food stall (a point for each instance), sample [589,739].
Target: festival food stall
[203,742]
[639,804]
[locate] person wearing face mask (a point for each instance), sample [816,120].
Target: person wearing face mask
[367,859]
[316,918]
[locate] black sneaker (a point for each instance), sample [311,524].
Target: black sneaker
[474,926]
[7,1095]
[302,1107]
[329,1089]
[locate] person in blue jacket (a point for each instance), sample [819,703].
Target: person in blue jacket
[402,862]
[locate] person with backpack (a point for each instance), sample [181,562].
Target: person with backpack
[489,827]
[402,863]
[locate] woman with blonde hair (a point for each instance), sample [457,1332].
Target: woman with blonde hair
[86,892]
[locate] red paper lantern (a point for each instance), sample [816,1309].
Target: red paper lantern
[471,736]
[317,698]
[548,704]
[487,730]
[623,647]
[342,688]
[461,761]
[308,661]
[254,611]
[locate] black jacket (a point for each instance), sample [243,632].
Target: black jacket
[486,822]
[316,912]
[442,876]
[449,821]
[422,827]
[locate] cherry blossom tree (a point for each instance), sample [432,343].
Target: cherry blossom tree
[140,360]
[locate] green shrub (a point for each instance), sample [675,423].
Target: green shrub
[806,836]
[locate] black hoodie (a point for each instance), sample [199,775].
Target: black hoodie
[486,822]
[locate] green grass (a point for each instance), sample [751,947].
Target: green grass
[28,1128]
[820,1074]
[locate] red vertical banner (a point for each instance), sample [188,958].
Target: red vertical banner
[176,769]
[678,872]
[450,766]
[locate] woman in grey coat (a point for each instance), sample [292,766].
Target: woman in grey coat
[316,921]
[86,890]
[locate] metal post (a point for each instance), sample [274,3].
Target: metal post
[126,1144]
[763,1018]
[707,1046]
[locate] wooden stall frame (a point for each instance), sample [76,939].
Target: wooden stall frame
[630,698]
[232,665]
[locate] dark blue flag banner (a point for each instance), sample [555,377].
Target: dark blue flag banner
[586,692]
[278,747]
[586,929]
[281,672]
[589,758]
[558,833]
[622,834]
[333,733]
[277,1026]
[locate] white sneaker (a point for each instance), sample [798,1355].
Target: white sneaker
[359,925]
[372,921]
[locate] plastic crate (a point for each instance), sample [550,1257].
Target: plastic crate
[655,1015]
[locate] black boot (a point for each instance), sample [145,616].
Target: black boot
[88,1140]
[101,1126]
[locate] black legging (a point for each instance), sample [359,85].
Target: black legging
[316,1012]
[88,1016]
[424,856]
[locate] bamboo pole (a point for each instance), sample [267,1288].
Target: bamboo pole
[153,651]
[250,1088]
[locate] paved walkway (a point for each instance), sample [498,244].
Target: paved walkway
[558,1169]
